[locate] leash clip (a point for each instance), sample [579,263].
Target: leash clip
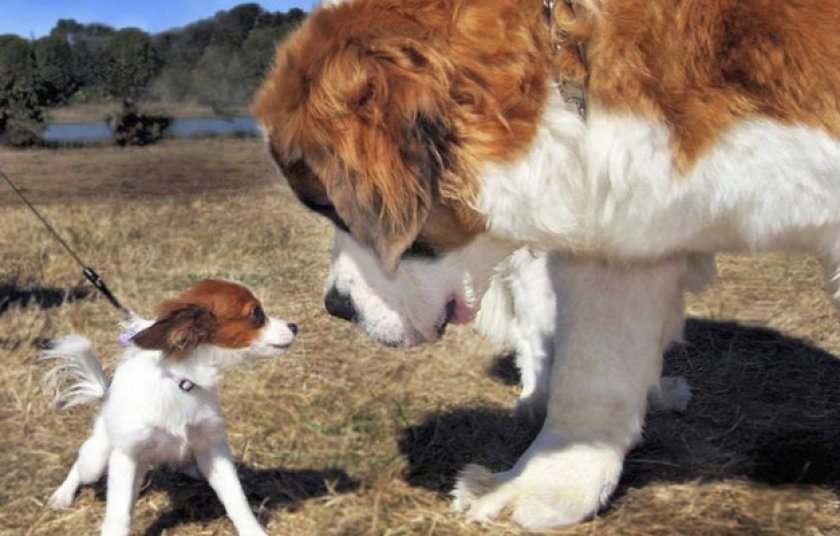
[548,9]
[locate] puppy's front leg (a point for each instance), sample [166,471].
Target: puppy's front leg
[122,473]
[215,464]
[612,324]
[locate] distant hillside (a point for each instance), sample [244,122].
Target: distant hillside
[217,61]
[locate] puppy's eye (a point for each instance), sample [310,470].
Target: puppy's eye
[257,316]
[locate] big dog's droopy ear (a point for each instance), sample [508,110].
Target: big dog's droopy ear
[179,330]
[387,205]
[356,120]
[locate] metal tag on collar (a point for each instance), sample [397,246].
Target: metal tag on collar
[574,96]
[548,9]
[186,385]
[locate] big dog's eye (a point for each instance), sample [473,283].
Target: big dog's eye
[419,250]
[328,211]
[257,316]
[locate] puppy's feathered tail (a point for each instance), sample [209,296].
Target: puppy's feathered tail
[77,364]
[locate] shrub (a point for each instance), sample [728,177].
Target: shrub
[131,127]
[21,119]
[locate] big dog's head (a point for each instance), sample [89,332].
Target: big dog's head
[383,115]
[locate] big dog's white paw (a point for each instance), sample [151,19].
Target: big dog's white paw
[548,487]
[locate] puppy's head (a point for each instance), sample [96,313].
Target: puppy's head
[219,313]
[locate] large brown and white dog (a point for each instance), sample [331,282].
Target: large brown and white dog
[439,138]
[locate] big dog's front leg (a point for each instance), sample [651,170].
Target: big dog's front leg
[613,323]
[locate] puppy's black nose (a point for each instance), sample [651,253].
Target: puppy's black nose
[340,305]
[292,328]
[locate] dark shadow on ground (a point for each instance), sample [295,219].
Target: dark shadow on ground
[440,447]
[41,297]
[267,489]
[766,408]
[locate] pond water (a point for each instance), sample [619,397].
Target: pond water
[182,127]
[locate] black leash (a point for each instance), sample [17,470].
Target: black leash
[89,273]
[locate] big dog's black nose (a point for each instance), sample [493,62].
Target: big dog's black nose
[340,305]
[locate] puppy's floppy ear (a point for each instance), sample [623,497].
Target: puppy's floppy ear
[179,330]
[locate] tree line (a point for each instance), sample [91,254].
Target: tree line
[218,61]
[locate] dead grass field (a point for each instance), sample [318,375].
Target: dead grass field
[344,437]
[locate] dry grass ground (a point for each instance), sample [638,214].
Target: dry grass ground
[344,437]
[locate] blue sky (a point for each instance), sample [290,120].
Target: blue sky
[37,17]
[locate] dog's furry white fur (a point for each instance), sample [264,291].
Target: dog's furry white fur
[763,186]
[147,418]
[408,308]
[518,311]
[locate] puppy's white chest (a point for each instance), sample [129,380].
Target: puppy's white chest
[166,433]
[162,446]
[146,413]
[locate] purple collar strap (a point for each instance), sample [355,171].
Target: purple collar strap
[124,338]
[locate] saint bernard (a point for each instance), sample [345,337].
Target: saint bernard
[442,136]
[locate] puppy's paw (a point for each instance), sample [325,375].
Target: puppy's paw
[115,527]
[252,531]
[61,498]
[551,488]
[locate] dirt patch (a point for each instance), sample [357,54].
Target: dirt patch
[206,168]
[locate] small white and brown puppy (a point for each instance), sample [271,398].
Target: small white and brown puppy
[162,405]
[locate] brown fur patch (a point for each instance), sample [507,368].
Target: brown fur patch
[211,311]
[571,28]
[701,65]
[179,331]
[393,105]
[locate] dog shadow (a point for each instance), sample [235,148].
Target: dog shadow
[765,407]
[193,500]
[14,295]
